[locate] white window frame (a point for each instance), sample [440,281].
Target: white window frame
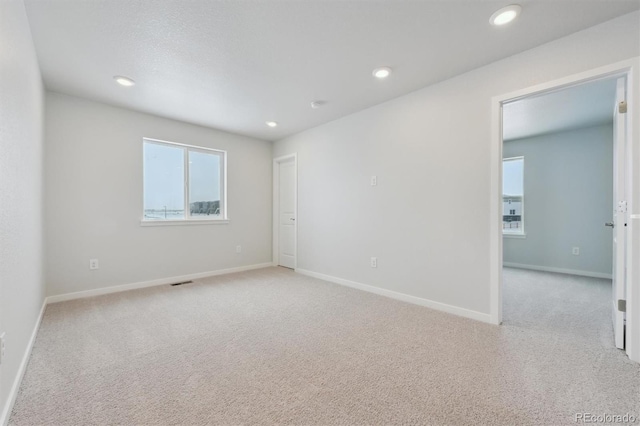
[521,232]
[189,220]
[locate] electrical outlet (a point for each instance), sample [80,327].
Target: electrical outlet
[374,180]
[575,251]
[2,346]
[93,264]
[374,262]
[238,249]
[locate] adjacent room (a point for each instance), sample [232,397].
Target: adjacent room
[558,192]
[319,212]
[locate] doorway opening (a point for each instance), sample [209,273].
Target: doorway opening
[559,194]
[285,211]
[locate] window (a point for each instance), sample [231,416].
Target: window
[183,183]
[513,196]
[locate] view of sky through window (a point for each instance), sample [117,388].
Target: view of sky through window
[163,177]
[204,177]
[512,177]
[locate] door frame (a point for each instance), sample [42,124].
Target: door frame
[276,207]
[628,69]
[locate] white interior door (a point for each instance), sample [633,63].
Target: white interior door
[286,214]
[619,213]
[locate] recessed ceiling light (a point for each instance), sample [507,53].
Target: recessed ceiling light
[124,81]
[382,72]
[317,104]
[272,123]
[505,15]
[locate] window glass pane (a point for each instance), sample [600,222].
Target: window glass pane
[204,184]
[163,182]
[512,183]
[513,195]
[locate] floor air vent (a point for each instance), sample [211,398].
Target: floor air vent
[183,282]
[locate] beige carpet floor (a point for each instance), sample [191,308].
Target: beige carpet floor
[274,347]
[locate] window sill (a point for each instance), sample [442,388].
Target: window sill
[514,235]
[184,222]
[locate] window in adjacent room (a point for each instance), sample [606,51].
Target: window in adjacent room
[183,183]
[513,196]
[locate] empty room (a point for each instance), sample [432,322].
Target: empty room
[559,228]
[319,212]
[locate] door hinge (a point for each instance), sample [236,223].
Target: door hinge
[622,206]
[622,107]
[622,305]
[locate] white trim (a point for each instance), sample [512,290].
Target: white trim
[152,283]
[443,307]
[632,279]
[275,232]
[558,270]
[184,145]
[627,68]
[618,69]
[160,222]
[13,393]
[520,235]
[496,207]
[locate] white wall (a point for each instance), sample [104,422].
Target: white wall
[21,102]
[427,221]
[568,193]
[93,202]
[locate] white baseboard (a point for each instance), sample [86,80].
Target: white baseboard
[558,270]
[152,283]
[13,393]
[455,310]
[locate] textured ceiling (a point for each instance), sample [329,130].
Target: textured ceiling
[235,64]
[572,108]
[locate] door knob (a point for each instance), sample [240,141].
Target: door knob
[611,224]
[291,218]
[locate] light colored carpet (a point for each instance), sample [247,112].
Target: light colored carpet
[271,346]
